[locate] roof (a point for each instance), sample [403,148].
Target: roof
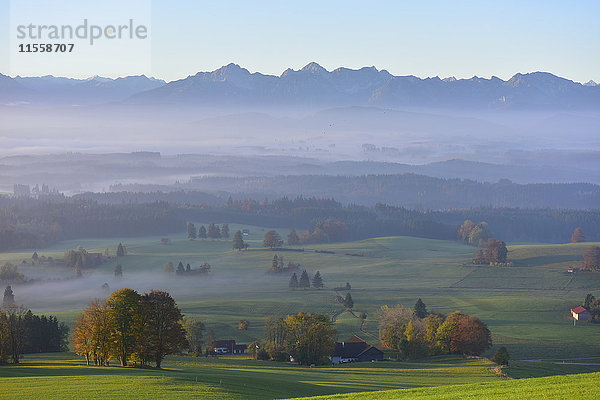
[578,309]
[355,339]
[224,343]
[349,349]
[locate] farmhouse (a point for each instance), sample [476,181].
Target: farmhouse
[580,313]
[229,347]
[355,349]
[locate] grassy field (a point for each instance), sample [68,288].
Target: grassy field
[63,376]
[583,386]
[525,306]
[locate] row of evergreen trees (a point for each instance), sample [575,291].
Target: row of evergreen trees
[22,332]
[213,231]
[304,281]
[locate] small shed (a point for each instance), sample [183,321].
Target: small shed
[580,313]
[355,350]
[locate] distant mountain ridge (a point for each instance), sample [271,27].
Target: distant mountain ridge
[312,86]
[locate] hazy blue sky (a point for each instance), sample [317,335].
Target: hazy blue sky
[423,38]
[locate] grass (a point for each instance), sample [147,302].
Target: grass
[228,378]
[525,306]
[582,386]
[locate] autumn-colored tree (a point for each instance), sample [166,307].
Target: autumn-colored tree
[125,311]
[591,258]
[445,332]
[243,325]
[169,268]
[470,336]
[162,329]
[272,239]
[99,328]
[577,236]
[82,338]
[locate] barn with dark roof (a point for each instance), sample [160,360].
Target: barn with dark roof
[355,350]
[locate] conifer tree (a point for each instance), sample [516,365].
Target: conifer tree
[293,281]
[304,282]
[225,231]
[317,281]
[293,238]
[191,231]
[202,232]
[118,270]
[120,250]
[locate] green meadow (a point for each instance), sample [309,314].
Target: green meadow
[525,306]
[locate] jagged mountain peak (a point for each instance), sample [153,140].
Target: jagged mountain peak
[314,68]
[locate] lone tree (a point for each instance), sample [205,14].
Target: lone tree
[591,258]
[162,329]
[293,281]
[180,268]
[243,325]
[501,357]
[188,268]
[420,309]
[120,250]
[191,231]
[348,302]
[9,297]
[225,231]
[202,232]
[577,236]
[272,240]
[34,257]
[118,270]
[238,241]
[304,282]
[317,281]
[293,238]
[169,268]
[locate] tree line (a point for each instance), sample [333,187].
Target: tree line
[22,332]
[213,231]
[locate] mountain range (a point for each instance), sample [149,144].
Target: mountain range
[312,87]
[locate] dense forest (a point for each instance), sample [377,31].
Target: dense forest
[29,223]
[34,223]
[408,190]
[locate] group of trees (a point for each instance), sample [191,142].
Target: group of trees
[324,231]
[493,252]
[472,233]
[9,273]
[22,332]
[304,281]
[36,223]
[278,266]
[213,231]
[131,328]
[417,333]
[307,338]
[181,270]
[591,258]
[80,259]
[593,306]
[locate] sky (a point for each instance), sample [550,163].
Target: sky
[422,38]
